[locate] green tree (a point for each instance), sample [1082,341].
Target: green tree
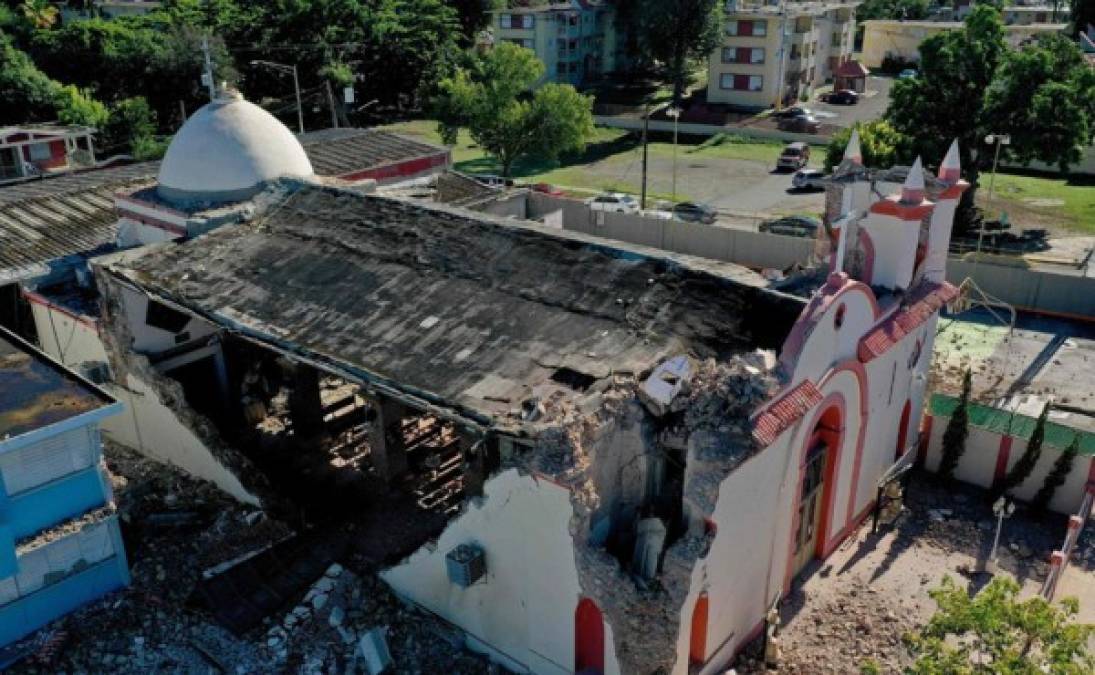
[40,13]
[880,143]
[1082,15]
[970,85]
[678,34]
[26,93]
[996,632]
[473,16]
[1029,459]
[958,429]
[490,98]
[1057,476]
[893,9]
[77,107]
[131,125]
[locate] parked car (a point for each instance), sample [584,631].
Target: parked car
[491,180]
[792,226]
[615,202]
[907,74]
[547,189]
[794,111]
[795,156]
[843,97]
[695,213]
[799,125]
[657,214]
[808,179]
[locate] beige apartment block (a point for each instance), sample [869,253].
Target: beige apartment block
[774,51]
[901,39]
[578,41]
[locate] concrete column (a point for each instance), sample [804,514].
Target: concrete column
[474,450]
[388,455]
[305,407]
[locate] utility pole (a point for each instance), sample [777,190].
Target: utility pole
[207,76]
[646,131]
[331,102]
[281,67]
[675,113]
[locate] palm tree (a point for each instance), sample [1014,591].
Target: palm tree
[41,13]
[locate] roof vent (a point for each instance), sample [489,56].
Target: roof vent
[466,564]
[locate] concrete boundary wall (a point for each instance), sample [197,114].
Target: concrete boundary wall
[1030,289]
[689,129]
[743,247]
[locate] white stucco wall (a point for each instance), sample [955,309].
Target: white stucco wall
[66,339]
[895,242]
[150,339]
[522,612]
[151,428]
[978,465]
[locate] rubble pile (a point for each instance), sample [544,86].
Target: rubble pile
[175,528]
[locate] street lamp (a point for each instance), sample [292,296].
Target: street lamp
[1003,508]
[999,140]
[281,67]
[675,113]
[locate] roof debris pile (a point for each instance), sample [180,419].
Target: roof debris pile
[703,424]
[175,527]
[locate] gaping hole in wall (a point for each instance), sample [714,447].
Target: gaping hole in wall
[15,313]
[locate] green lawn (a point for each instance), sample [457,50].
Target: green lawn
[1041,201]
[615,147]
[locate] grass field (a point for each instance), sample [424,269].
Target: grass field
[612,160]
[1039,201]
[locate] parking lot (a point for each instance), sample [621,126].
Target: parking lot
[871,105]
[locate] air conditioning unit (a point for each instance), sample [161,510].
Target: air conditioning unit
[466,564]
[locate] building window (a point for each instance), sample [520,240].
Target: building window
[39,152]
[516,20]
[743,55]
[521,42]
[505,20]
[746,28]
[741,82]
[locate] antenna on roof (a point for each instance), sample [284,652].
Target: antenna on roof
[207,73]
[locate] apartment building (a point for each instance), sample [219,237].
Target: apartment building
[773,52]
[900,40]
[578,40]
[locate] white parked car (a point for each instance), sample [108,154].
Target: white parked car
[808,179]
[615,202]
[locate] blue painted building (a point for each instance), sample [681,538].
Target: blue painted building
[60,545]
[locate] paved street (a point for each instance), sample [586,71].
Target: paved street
[869,107]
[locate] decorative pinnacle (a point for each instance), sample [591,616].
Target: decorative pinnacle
[951,168]
[912,192]
[853,151]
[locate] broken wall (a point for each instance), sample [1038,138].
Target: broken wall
[158,422]
[522,612]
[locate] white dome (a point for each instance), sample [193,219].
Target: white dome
[226,151]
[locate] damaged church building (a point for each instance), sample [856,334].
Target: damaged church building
[620,458]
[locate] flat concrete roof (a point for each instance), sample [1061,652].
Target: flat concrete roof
[36,392]
[1041,360]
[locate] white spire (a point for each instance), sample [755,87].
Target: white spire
[852,151]
[951,168]
[912,192]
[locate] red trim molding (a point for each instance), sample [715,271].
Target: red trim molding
[157,223]
[893,206]
[923,304]
[402,169]
[1003,454]
[37,299]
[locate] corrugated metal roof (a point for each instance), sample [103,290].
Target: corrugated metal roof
[340,152]
[78,182]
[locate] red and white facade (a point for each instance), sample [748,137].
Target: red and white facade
[37,150]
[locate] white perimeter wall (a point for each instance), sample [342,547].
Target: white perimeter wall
[978,465]
[522,613]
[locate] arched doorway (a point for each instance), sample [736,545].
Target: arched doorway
[903,431]
[811,524]
[589,638]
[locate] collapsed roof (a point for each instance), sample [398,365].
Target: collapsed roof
[472,314]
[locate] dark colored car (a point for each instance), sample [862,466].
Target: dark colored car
[843,97]
[799,125]
[792,226]
[793,111]
[695,213]
[547,189]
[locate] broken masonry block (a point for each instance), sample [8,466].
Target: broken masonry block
[466,564]
[373,650]
[664,384]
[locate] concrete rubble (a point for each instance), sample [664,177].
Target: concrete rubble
[595,453]
[152,626]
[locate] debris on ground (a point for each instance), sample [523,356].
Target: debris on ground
[176,527]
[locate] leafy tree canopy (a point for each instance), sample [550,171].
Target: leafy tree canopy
[489,97]
[880,143]
[678,33]
[996,632]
